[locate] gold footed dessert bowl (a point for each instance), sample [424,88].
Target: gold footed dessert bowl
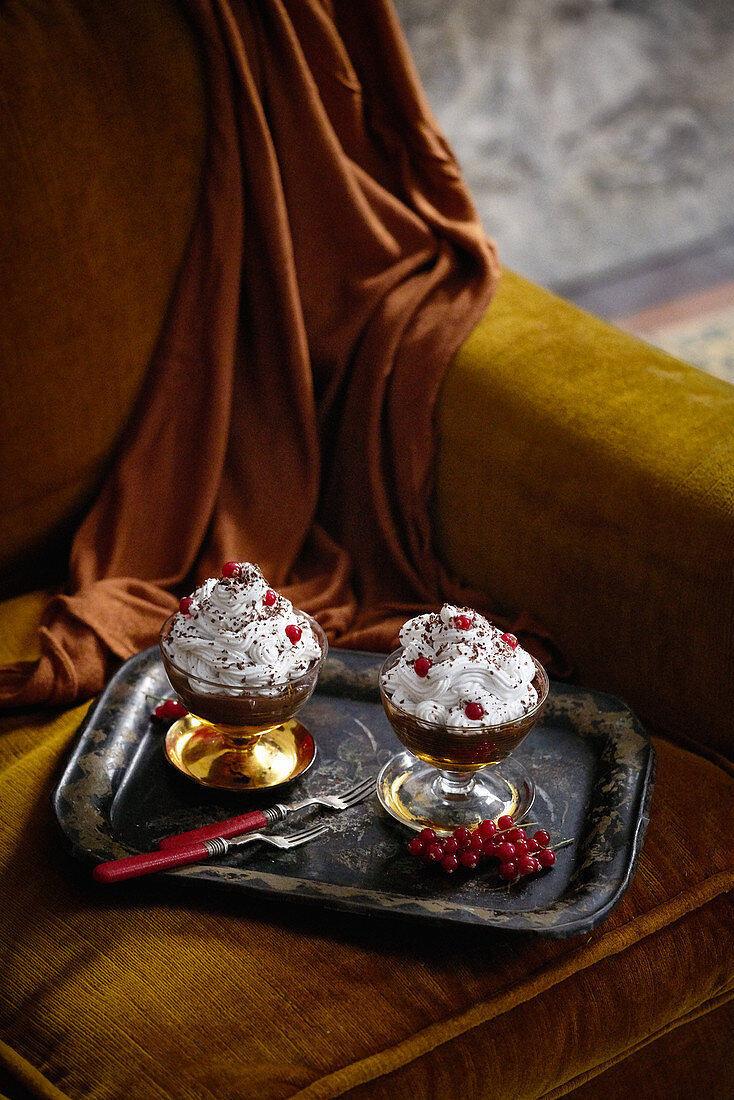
[455,775]
[240,738]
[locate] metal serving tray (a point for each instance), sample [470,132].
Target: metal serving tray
[591,760]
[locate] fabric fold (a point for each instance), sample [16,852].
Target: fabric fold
[335,265]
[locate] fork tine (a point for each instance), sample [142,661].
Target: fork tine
[368,782]
[305,834]
[363,785]
[358,792]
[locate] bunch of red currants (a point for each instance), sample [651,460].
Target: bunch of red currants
[518,854]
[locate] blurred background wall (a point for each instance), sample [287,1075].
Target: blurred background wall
[597,136]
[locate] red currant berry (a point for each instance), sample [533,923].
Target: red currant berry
[184,605]
[435,852]
[546,857]
[469,858]
[269,598]
[449,864]
[516,834]
[422,666]
[293,633]
[506,851]
[526,865]
[536,863]
[427,836]
[451,846]
[231,569]
[416,846]
[477,842]
[511,640]
[542,837]
[169,708]
[506,821]
[521,847]
[532,845]
[462,836]
[462,622]
[507,871]
[489,848]
[475,711]
[487,829]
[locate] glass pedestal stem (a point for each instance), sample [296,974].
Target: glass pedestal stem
[452,784]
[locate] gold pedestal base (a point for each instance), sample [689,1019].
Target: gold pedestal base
[271,758]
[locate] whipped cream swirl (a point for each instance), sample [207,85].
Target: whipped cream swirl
[457,669]
[235,633]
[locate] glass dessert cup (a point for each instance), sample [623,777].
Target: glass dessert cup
[241,739]
[457,775]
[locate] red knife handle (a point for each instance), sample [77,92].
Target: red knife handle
[235,826]
[149,862]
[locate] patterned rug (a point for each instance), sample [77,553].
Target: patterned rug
[698,329]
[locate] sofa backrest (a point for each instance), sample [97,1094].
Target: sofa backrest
[102,122]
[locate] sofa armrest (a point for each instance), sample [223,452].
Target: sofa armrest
[588,478]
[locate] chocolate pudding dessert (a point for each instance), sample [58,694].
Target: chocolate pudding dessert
[239,654]
[459,693]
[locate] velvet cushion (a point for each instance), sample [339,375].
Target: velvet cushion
[158,990]
[99,171]
[589,478]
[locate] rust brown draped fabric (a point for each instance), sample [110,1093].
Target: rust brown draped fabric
[335,265]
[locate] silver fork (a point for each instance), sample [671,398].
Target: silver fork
[341,801]
[148,863]
[293,840]
[263,819]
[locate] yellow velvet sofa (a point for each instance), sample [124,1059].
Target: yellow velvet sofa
[608,466]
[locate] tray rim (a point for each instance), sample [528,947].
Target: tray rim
[255,884]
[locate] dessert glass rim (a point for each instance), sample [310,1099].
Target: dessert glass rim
[227,689]
[479,727]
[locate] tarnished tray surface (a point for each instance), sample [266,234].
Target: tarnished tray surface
[592,762]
